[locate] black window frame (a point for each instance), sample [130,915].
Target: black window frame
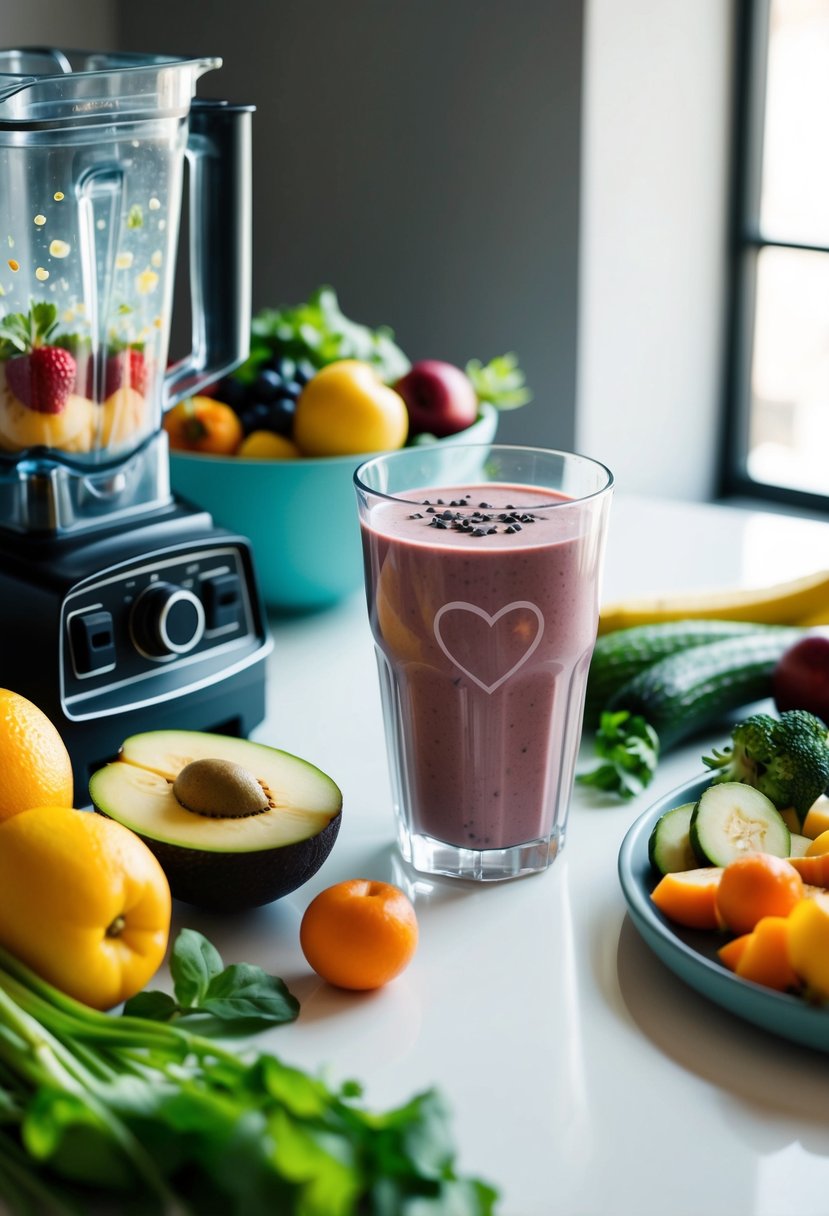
[746,242]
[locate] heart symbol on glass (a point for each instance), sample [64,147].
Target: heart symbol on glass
[491,620]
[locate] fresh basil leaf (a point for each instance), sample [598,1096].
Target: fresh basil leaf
[215,1000]
[194,963]
[245,993]
[156,1006]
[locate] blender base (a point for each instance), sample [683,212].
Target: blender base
[151,626]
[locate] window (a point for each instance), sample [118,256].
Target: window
[778,433]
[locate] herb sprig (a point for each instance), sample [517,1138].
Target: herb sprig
[501,382]
[239,999]
[628,748]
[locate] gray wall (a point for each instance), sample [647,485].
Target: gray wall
[422,157]
[89,24]
[440,163]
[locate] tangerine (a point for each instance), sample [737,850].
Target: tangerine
[83,902]
[359,934]
[35,768]
[754,886]
[202,424]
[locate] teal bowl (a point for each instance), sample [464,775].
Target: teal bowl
[300,516]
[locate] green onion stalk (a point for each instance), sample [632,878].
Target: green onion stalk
[159,1121]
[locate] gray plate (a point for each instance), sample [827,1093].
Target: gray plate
[691,954]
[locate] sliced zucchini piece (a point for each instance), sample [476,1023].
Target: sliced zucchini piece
[799,845]
[731,819]
[669,846]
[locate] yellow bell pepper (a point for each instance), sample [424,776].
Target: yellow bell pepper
[808,942]
[83,902]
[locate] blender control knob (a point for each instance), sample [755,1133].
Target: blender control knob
[166,620]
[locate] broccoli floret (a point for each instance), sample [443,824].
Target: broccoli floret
[786,758]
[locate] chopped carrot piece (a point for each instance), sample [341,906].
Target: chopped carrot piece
[765,959]
[814,870]
[689,897]
[731,953]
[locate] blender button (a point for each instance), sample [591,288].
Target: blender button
[222,599]
[93,642]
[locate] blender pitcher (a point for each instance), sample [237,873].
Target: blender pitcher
[92,154]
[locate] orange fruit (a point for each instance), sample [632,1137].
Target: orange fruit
[754,886]
[359,934]
[265,445]
[35,768]
[83,902]
[201,424]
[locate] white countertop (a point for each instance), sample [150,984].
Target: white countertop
[584,1079]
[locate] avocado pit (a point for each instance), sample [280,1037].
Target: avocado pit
[220,789]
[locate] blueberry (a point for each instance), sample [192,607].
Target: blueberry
[281,415]
[292,389]
[268,384]
[286,368]
[254,416]
[231,392]
[305,371]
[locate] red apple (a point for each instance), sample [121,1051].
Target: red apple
[439,397]
[801,677]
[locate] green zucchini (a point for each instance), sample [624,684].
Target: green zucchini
[732,819]
[669,845]
[695,688]
[624,653]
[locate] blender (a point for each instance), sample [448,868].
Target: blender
[121,608]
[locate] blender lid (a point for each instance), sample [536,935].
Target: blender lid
[48,86]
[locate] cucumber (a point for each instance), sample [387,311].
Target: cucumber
[798,845]
[623,654]
[695,688]
[731,819]
[669,845]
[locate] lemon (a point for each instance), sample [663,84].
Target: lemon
[346,409]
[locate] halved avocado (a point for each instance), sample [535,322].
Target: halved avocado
[234,824]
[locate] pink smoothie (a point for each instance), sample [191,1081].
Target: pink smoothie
[485,619]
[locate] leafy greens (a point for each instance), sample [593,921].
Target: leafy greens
[318,332]
[154,1120]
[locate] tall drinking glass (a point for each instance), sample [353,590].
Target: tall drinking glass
[482,568]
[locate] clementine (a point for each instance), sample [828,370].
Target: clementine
[201,424]
[35,768]
[83,902]
[359,934]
